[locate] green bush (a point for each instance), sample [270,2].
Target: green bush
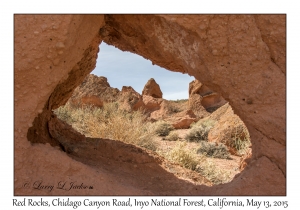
[199,131]
[211,149]
[172,136]
[163,128]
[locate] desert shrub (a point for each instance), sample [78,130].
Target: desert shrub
[163,128]
[199,163]
[211,149]
[180,101]
[173,136]
[173,107]
[240,139]
[199,131]
[213,173]
[65,114]
[109,122]
[182,156]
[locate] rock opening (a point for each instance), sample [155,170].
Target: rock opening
[242,57]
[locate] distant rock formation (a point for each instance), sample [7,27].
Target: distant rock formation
[152,89]
[129,99]
[182,120]
[94,91]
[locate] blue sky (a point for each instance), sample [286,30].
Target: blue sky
[128,69]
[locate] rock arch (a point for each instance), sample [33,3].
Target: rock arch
[240,56]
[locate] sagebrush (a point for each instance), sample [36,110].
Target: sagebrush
[173,136]
[240,139]
[212,149]
[200,130]
[182,156]
[162,128]
[213,173]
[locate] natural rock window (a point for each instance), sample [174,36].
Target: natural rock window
[240,57]
[200,133]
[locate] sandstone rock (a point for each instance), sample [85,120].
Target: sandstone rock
[228,127]
[201,96]
[212,101]
[129,99]
[95,91]
[182,120]
[160,113]
[151,104]
[152,89]
[196,105]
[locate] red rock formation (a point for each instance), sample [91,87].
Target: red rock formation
[94,90]
[182,120]
[151,103]
[200,95]
[228,126]
[242,57]
[151,88]
[130,99]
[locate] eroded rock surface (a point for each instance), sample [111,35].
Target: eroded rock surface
[202,96]
[182,120]
[130,99]
[152,89]
[242,57]
[95,91]
[228,126]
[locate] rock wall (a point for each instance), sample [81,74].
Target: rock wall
[200,95]
[243,57]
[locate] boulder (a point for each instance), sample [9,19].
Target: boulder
[151,88]
[182,120]
[228,128]
[151,104]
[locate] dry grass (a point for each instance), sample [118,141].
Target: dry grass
[182,156]
[113,123]
[211,149]
[213,173]
[173,136]
[175,106]
[200,130]
[109,122]
[199,163]
[240,139]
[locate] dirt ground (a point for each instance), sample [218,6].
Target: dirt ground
[231,165]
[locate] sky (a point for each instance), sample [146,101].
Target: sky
[129,69]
